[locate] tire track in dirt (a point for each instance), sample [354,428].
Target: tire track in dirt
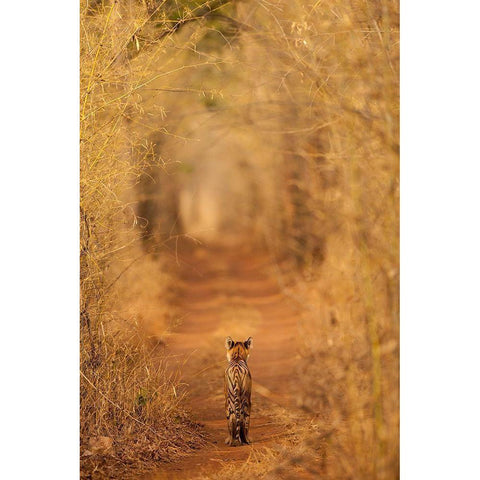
[225,292]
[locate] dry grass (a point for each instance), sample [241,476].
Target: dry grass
[341,200]
[284,114]
[126,393]
[317,104]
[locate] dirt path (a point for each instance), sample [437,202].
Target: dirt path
[222,293]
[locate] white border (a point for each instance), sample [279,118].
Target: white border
[40,200]
[440,240]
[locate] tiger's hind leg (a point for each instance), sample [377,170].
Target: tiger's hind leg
[244,430]
[245,427]
[232,428]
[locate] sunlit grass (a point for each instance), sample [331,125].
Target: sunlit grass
[291,107]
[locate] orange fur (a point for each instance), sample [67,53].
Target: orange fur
[238,390]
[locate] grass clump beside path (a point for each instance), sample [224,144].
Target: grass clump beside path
[130,412]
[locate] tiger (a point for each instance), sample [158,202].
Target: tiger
[238,390]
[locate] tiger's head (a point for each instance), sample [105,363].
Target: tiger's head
[238,350]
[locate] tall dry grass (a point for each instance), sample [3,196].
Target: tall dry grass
[318,103]
[130,410]
[286,115]
[339,68]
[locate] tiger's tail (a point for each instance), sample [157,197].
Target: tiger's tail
[237,412]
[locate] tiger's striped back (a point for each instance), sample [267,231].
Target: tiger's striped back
[238,389]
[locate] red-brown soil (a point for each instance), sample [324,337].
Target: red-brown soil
[227,292]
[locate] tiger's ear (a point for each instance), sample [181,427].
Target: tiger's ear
[228,343]
[248,343]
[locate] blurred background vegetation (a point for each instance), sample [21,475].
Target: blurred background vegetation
[272,123]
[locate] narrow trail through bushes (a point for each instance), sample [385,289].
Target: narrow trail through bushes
[226,292]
